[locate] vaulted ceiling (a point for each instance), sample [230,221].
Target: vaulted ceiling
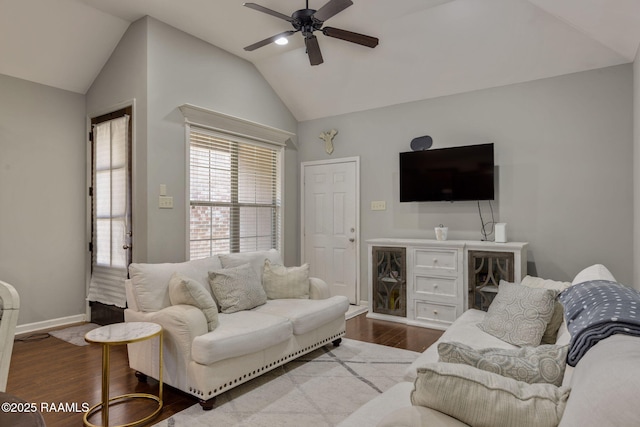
[428,48]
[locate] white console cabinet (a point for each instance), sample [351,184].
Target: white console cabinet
[440,279]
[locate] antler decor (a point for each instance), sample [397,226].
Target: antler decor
[327,137]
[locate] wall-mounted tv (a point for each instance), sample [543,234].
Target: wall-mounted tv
[447,174]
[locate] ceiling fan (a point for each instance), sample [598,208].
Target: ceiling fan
[309,20]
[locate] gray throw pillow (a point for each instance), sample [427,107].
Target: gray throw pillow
[481,398]
[551,333]
[542,364]
[519,314]
[237,288]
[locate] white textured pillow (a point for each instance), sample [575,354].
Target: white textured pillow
[551,333]
[183,290]
[519,314]
[237,288]
[281,282]
[480,398]
[541,364]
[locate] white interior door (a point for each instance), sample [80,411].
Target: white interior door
[330,213]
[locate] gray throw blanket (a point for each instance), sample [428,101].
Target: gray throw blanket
[597,309]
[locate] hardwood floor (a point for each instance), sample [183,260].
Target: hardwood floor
[49,372]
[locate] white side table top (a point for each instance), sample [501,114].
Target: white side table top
[123,333]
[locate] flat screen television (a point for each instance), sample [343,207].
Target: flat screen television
[447,174]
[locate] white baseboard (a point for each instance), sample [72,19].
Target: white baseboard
[46,324]
[364,303]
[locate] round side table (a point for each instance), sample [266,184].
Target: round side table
[120,334]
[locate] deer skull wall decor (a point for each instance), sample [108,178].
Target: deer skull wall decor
[327,137]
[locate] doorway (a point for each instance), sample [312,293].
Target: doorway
[110,204]
[330,223]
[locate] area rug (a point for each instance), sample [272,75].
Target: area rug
[321,388]
[74,334]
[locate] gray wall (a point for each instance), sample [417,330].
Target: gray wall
[184,69]
[636,171]
[563,150]
[122,80]
[42,198]
[164,68]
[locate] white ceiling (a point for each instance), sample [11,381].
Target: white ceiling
[428,48]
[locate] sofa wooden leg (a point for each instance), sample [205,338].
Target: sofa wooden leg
[141,377]
[337,342]
[207,405]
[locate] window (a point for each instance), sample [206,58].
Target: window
[235,194]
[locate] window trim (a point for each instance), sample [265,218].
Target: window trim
[237,130]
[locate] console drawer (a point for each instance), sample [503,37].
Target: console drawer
[435,312]
[444,286]
[436,259]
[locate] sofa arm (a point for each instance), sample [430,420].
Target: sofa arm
[181,324]
[318,289]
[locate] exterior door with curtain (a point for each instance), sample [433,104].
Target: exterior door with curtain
[111,207]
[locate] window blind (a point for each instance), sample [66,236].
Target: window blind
[235,195]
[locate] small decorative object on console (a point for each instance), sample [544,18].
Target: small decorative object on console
[441,232]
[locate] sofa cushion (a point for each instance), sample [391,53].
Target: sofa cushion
[419,416]
[551,333]
[464,329]
[306,315]
[541,364]
[184,290]
[482,398]
[237,288]
[519,314]
[256,259]
[285,282]
[238,334]
[151,281]
[605,385]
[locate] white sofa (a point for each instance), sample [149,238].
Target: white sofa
[9,309]
[605,384]
[244,345]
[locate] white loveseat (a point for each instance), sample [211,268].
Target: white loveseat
[244,345]
[605,384]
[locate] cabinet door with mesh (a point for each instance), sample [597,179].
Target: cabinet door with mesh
[389,281]
[486,269]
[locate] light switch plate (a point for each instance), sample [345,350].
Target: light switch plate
[165,202]
[378,205]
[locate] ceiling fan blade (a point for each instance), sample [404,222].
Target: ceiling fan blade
[268,40]
[268,11]
[331,8]
[349,36]
[313,50]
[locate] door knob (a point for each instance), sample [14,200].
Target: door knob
[126,247]
[351,239]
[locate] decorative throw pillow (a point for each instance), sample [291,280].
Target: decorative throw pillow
[519,314]
[551,333]
[256,259]
[481,398]
[542,364]
[237,288]
[183,290]
[285,282]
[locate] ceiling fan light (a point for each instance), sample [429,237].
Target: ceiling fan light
[282,41]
